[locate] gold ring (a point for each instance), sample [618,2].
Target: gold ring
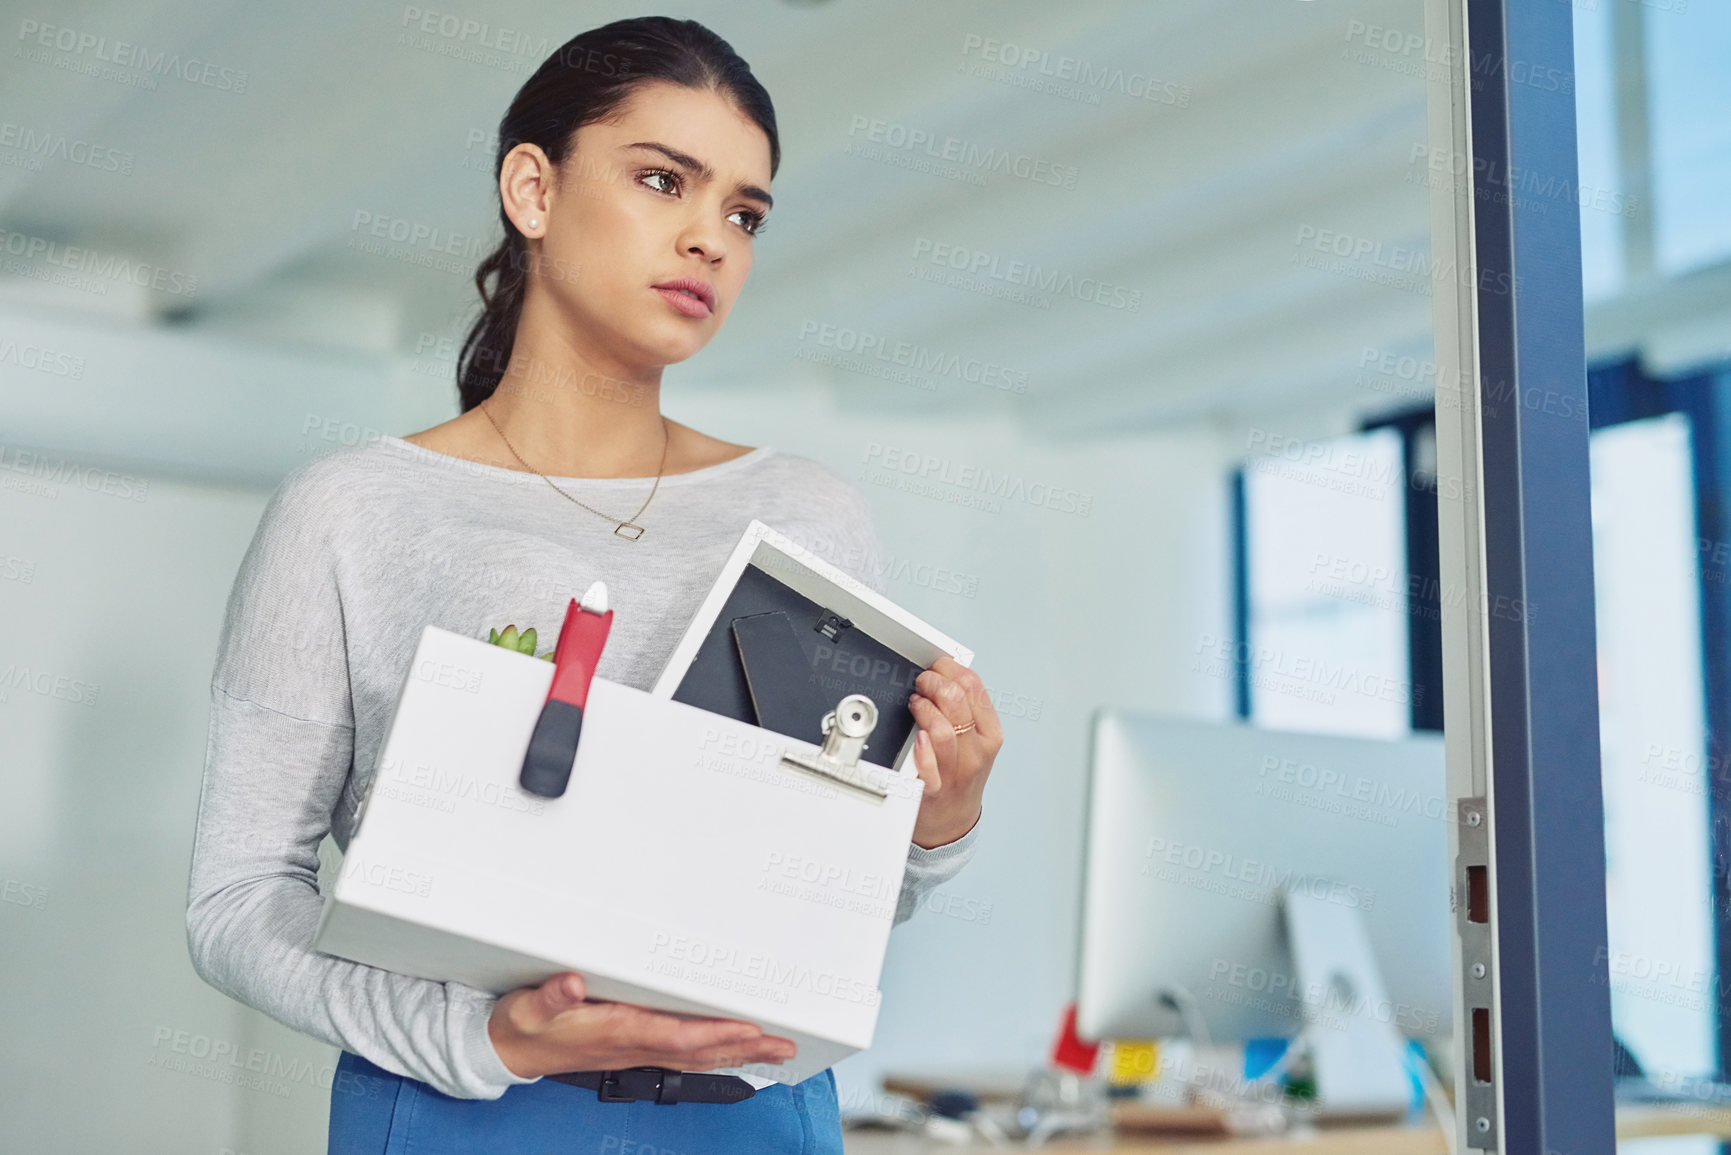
[964,729]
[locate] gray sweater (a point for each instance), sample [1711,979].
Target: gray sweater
[356,551]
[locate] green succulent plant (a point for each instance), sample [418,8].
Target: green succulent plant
[523,643]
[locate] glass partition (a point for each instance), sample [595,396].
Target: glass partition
[1653,146]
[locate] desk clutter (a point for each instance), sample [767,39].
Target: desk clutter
[1168,1089]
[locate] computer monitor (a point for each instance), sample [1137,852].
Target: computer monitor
[1196,833]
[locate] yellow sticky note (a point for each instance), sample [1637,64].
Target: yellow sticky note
[1133,1061]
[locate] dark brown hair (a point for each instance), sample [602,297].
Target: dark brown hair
[584,81]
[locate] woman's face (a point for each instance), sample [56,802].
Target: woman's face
[671,188]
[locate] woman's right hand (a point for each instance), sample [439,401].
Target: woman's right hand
[550,1029]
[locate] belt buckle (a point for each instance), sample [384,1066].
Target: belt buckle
[607,1092]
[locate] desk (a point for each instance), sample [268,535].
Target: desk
[1652,1120]
[1645,1121]
[1343,1141]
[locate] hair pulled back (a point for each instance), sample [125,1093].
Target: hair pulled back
[584,81]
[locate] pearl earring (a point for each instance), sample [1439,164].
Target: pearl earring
[533,223]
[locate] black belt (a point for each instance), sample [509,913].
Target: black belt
[660,1084]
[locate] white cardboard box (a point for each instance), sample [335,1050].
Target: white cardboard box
[684,868]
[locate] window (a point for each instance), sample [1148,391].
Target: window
[1324,559]
[1658,835]
[1339,622]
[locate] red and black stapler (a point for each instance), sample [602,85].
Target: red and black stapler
[553,746]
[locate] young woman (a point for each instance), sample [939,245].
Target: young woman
[633,175]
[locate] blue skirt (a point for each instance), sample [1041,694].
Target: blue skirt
[374,1112]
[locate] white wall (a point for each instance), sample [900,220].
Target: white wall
[117,602]
[118,581]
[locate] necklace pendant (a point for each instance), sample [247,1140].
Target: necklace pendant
[629,525]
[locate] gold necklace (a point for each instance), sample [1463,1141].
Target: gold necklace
[621,526]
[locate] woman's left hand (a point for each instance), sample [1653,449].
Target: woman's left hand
[949,697]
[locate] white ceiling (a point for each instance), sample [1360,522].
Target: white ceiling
[1198,207]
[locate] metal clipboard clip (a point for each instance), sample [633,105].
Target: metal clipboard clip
[845,730]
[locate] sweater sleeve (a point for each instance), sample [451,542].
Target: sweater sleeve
[929,869]
[856,549]
[280,748]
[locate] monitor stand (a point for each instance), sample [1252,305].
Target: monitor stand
[1357,1055]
